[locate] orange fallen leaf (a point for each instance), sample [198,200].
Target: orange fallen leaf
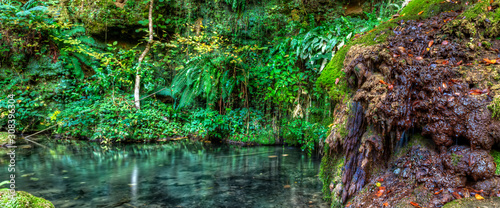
[337,81]
[419,58]
[380,191]
[386,204]
[479,197]
[431,42]
[382,82]
[380,180]
[445,42]
[455,194]
[420,12]
[445,62]
[490,61]
[414,204]
[489,8]
[438,192]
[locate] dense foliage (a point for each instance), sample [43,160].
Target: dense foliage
[239,70]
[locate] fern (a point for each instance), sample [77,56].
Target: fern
[73,31]
[77,68]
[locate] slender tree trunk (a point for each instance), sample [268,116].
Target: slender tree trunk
[137,87]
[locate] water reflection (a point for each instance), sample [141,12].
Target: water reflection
[182,174]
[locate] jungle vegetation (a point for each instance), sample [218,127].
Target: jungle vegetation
[236,70]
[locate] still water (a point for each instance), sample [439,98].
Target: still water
[180,174]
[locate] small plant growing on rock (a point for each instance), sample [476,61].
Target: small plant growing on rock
[455,158]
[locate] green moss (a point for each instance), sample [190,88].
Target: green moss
[330,172]
[455,159]
[4,137]
[475,10]
[472,202]
[495,107]
[22,199]
[496,157]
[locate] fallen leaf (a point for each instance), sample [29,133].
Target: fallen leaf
[401,49]
[380,180]
[489,8]
[286,186]
[438,192]
[414,204]
[337,81]
[380,191]
[490,61]
[445,62]
[440,61]
[458,63]
[479,197]
[431,42]
[382,82]
[455,194]
[420,12]
[386,204]
[419,58]
[445,42]
[390,87]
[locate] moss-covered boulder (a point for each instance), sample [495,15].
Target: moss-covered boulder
[4,138]
[23,200]
[473,203]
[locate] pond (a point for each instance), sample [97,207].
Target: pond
[174,174]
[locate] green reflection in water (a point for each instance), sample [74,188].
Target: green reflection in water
[185,174]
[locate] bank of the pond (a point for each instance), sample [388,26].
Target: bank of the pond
[178,173]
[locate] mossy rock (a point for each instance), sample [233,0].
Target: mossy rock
[4,138]
[495,107]
[472,202]
[23,200]
[415,10]
[480,20]
[496,156]
[331,175]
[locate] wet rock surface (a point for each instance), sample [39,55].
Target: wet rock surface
[415,81]
[424,177]
[429,81]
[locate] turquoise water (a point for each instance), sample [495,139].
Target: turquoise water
[181,174]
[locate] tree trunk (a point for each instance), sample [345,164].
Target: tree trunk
[137,87]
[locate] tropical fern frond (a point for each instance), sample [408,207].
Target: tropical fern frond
[73,31]
[167,92]
[76,68]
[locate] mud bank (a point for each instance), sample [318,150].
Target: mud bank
[433,78]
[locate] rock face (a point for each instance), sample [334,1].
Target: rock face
[423,80]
